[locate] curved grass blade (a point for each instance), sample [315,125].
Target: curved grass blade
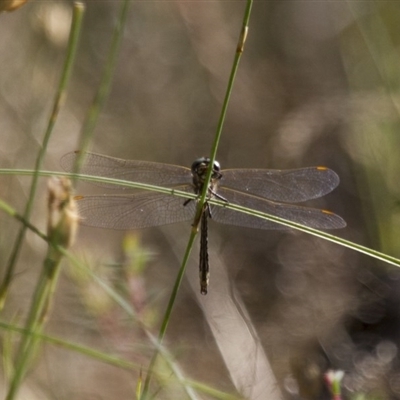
[296,226]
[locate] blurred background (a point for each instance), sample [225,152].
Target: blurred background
[317,85]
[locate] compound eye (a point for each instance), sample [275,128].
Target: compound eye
[199,162]
[217,166]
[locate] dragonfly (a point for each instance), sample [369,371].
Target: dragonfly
[265,190]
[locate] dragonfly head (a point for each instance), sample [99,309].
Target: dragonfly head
[200,166]
[199,173]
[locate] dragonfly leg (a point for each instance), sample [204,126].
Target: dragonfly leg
[219,197]
[186,202]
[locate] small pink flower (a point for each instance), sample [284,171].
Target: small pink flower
[333,380]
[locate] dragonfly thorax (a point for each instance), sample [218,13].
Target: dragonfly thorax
[199,172]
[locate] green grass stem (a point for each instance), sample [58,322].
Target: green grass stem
[78,11]
[104,86]
[203,196]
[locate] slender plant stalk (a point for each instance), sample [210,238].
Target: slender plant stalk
[104,87]
[34,324]
[62,223]
[235,66]
[203,196]
[84,350]
[48,279]
[100,179]
[315,232]
[78,11]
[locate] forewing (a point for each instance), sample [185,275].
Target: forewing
[136,171]
[293,185]
[311,217]
[142,210]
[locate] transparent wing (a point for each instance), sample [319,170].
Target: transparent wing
[311,217]
[292,185]
[135,171]
[142,210]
